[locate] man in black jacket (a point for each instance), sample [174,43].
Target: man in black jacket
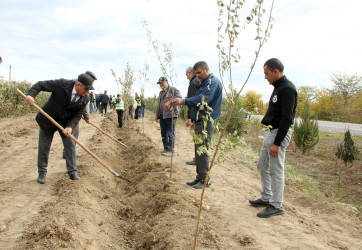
[280,117]
[66,106]
[104,102]
[75,131]
[193,86]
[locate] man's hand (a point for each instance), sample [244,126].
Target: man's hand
[67,131]
[274,150]
[30,100]
[188,122]
[87,121]
[167,105]
[177,101]
[156,119]
[192,126]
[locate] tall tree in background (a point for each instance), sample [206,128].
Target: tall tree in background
[253,102]
[305,94]
[322,105]
[346,87]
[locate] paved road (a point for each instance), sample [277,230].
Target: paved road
[336,127]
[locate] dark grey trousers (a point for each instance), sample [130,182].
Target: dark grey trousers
[45,141]
[202,161]
[75,133]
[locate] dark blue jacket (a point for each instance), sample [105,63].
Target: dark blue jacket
[211,89]
[104,99]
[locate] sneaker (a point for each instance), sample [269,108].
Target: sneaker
[193,162]
[191,183]
[41,178]
[259,203]
[162,150]
[74,176]
[167,153]
[200,185]
[270,211]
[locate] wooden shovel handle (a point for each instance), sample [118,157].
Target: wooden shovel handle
[73,138]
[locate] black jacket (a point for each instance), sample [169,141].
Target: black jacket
[104,99]
[59,105]
[193,86]
[282,106]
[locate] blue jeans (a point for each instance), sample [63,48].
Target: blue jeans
[142,111]
[91,107]
[168,133]
[271,169]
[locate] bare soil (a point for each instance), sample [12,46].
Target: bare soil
[101,211]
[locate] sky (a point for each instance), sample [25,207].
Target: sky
[44,40]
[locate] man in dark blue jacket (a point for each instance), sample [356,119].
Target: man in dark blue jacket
[104,102]
[210,90]
[280,116]
[66,106]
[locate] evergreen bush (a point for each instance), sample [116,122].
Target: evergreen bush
[237,121]
[347,151]
[306,133]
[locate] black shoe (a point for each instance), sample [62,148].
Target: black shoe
[74,176]
[41,178]
[270,211]
[193,162]
[200,185]
[191,183]
[63,154]
[259,203]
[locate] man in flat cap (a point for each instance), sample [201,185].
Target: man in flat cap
[75,131]
[167,117]
[66,106]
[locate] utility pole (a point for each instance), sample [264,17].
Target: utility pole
[9,74]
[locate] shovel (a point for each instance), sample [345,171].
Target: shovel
[107,134]
[74,139]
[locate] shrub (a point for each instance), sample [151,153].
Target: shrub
[306,134]
[347,151]
[238,117]
[12,104]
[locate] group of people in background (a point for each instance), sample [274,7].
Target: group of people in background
[69,99]
[100,102]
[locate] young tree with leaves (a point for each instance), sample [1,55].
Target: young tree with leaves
[125,83]
[165,60]
[229,55]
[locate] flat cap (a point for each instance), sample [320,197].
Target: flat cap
[91,74]
[86,80]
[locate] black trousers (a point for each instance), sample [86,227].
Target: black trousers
[120,116]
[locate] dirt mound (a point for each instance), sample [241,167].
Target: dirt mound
[100,207]
[101,211]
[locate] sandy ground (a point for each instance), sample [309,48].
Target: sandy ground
[101,211]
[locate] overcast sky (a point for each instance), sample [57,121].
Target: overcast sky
[44,40]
